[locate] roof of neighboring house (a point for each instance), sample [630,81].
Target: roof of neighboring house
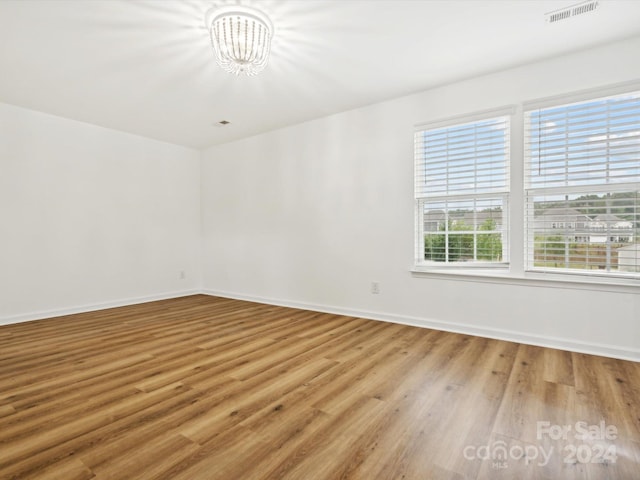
[560,211]
[484,215]
[563,214]
[434,215]
[607,217]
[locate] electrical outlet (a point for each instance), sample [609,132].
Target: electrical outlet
[375,288]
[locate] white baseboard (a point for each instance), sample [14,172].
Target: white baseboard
[27,317]
[612,351]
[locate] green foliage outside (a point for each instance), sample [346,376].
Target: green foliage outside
[489,245]
[461,245]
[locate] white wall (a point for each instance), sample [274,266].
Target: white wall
[91,217]
[312,214]
[308,215]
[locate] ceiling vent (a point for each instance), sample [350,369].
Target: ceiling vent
[573,11]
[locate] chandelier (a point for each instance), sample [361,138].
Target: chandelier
[241,38]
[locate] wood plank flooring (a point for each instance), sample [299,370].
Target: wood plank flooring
[205,388]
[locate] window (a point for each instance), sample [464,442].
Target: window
[462,191]
[582,187]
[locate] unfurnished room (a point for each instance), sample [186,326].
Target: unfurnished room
[319,239]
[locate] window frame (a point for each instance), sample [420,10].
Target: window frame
[531,190]
[515,273]
[422,265]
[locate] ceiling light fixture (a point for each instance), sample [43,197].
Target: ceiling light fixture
[241,37]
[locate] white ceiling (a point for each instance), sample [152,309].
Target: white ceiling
[147,66]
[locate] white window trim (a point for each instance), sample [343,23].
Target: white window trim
[560,101]
[419,264]
[514,273]
[581,96]
[531,279]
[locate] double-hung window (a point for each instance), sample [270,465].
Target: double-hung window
[462,191]
[582,187]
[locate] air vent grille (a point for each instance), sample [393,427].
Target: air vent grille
[565,13]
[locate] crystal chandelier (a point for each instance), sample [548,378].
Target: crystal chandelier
[241,38]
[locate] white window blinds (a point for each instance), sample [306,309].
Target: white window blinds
[461,191]
[463,159]
[582,187]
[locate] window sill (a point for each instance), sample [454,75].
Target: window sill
[530,279]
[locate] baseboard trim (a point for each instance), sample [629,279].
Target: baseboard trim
[604,350]
[27,317]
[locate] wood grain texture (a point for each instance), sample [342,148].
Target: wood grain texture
[205,388]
